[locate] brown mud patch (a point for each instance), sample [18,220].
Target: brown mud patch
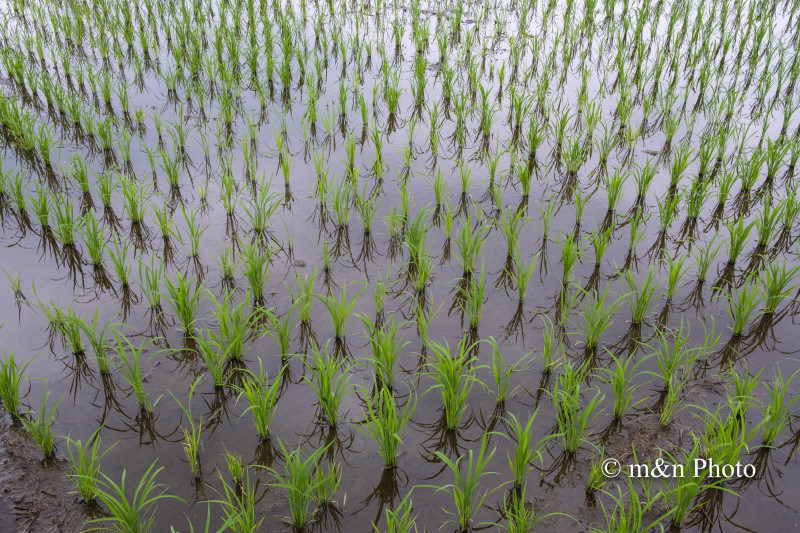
[35,495]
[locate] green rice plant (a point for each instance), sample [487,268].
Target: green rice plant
[340,309]
[41,205]
[767,221]
[262,397]
[778,408]
[598,314]
[600,242]
[130,515]
[738,233]
[742,306]
[682,499]
[615,186]
[525,451]
[330,379]
[150,280]
[400,519]
[235,467]
[520,517]
[71,328]
[552,347]
[571,253]
[472,299]
[85,464]
[299,482]
[191,434]
[470,242]
[512,223]
[214,355]
[546,213]
[134,199]
[235,323]
[163,220]
[629,513]
[704,256]
[12,374]
[682,157]
[386,348]
[502,371]
[65,222]
[119,261]
[455,376]
[522,273]
[195,231]
[384,422]
[468,495]
[674,398]
[326,483]
[676,268]
[724,437]
[573,423]
[741,389]
[640,296]
[667,210]
[597,477]
[239,504]
[621,380]
[261,208]
[776,283]
[280,329]
[129,365]
[185,300]
[672,350]
[94,236]
[41,427]
[255,265]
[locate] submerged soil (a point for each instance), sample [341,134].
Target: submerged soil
[35,494]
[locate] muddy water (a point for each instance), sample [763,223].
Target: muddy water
[556,483]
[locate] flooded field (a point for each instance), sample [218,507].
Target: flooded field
[399,266]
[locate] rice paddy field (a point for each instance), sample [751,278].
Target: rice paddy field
[399,265]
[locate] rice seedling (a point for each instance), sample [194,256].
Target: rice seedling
[130,515]
[596,476]
[571,253]
[502,371]
[384,422]
[473,298]
[776,410]
[191,433]
[12,374]
[129,364]
[681,499]
[400,519]
[455,376]
[299,481]
[622,379]
[742,306]
[184,300]
[640,296]
[85,464]
[330,380]
[629,513]
[41,427]
[340,309]
[150,280]
[234,325]
[776,283]
[598,314]
[738,233]
[262,397]
[525,451]
[466,490]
